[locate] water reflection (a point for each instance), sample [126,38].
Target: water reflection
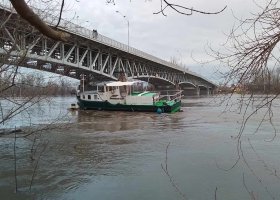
[124,121]
[108,121]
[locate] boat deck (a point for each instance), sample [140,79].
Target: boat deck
[165,102]
[143,94]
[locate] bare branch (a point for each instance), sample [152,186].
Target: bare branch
[165,169]
[177,8]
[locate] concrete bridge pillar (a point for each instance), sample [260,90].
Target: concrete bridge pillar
[197,90]
[189,91]
[207,91]
[204,90]
[177,87]
[122,78]
[66,71]
[210,91]
[215,91]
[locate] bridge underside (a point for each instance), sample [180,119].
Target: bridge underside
[191,89]
[96,59]
[156,81]
[187,85]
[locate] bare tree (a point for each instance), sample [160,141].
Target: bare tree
[176,61]
[251,55]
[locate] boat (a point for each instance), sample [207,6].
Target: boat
[118,96]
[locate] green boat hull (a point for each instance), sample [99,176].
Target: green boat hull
[105,105]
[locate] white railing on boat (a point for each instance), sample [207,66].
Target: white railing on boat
[177,96]
[170,97]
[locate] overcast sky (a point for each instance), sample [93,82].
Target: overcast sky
[159,35]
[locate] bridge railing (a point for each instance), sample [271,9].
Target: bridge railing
[73,28]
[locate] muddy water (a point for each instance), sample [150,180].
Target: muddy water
[118,155]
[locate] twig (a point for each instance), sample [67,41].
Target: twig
[3,24]
[250,193]
[176,8]
[165,169]
[247,164]
[259,158]
[60,14]
[216,193]
[15,159]
[34,172]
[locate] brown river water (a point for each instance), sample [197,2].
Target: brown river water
[118,155]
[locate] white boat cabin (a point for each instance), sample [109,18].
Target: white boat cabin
[120,93]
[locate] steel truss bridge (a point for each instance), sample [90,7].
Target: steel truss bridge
[87,53]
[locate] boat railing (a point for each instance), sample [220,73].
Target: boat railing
[170,95]
[177,96]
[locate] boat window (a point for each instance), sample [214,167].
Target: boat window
[111,88]
[101,89]
[84,97]
[95,97]
[89,96]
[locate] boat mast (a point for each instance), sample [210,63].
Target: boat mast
[83,82]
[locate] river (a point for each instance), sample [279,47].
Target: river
[118,155]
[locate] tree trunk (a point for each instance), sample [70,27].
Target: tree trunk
[26,13]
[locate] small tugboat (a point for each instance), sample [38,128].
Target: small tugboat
[117,96]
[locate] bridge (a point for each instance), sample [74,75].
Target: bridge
[87,54]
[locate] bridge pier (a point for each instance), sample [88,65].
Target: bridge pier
[177,87]
[204,91]
[212,91]
[190,91]
[215,91]
[197,90]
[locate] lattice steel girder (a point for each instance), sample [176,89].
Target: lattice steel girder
[129,68]
[91,59]
[103,67]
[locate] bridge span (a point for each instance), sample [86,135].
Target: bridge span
[87,53]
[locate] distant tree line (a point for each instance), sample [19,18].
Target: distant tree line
[264,82]
[28,84]
[176,61]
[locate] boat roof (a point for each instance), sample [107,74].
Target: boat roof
[119,83]
[104,83]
